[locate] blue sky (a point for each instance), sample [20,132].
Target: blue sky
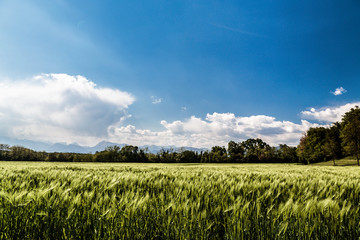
[194,73]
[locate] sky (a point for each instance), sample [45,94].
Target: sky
[182,73]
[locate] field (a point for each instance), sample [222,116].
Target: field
[178,201]
[349,161]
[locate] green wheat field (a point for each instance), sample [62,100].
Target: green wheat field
[178,201]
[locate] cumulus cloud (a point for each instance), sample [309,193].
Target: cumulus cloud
[215,129]
[339,91]
[64,108]
[156,100]
[59,107]
[328,114]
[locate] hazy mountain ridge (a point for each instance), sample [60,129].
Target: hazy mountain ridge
[76,148]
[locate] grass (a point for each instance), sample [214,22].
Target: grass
[348,161]
[178,201]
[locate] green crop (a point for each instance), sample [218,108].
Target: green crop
[159,201]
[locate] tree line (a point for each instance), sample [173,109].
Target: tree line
[317,144]
[339,140]
[249,151]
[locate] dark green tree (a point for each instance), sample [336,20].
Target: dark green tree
[255,150]
[129,153]
[300,150]
[167,155]
[187,156]
[235,151]
[286,153]
[312,145]
[218,154]
[205,157]
[20,153]
[4,152]
[332,147]
[350,133]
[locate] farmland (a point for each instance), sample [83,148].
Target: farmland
[178,201]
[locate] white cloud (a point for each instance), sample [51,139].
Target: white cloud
[329,114]
[339,91]
[64,108]
[156,100]
[215,129]
[60,107]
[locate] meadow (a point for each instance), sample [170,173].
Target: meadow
[40,200]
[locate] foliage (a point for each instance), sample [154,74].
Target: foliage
[255,150]
[332,147]
[218,154]
[286,153]
[250,151]
[350,133]
[331,143]
[313,145]
[235,151]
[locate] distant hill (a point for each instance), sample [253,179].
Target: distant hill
[76,148]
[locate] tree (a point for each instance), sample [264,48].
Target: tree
[332,145]
[255,150]
[300,150]
[350,133]
[205,157]
[218,154]
[187,156]
[235,151]
[129,153]
[4,151]
[287,154]
[112,154]
[167,155]
[269,155]
[312,144]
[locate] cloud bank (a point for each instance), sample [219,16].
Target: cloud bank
[59,107]
[64,108]
[215,129]
[328,114]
